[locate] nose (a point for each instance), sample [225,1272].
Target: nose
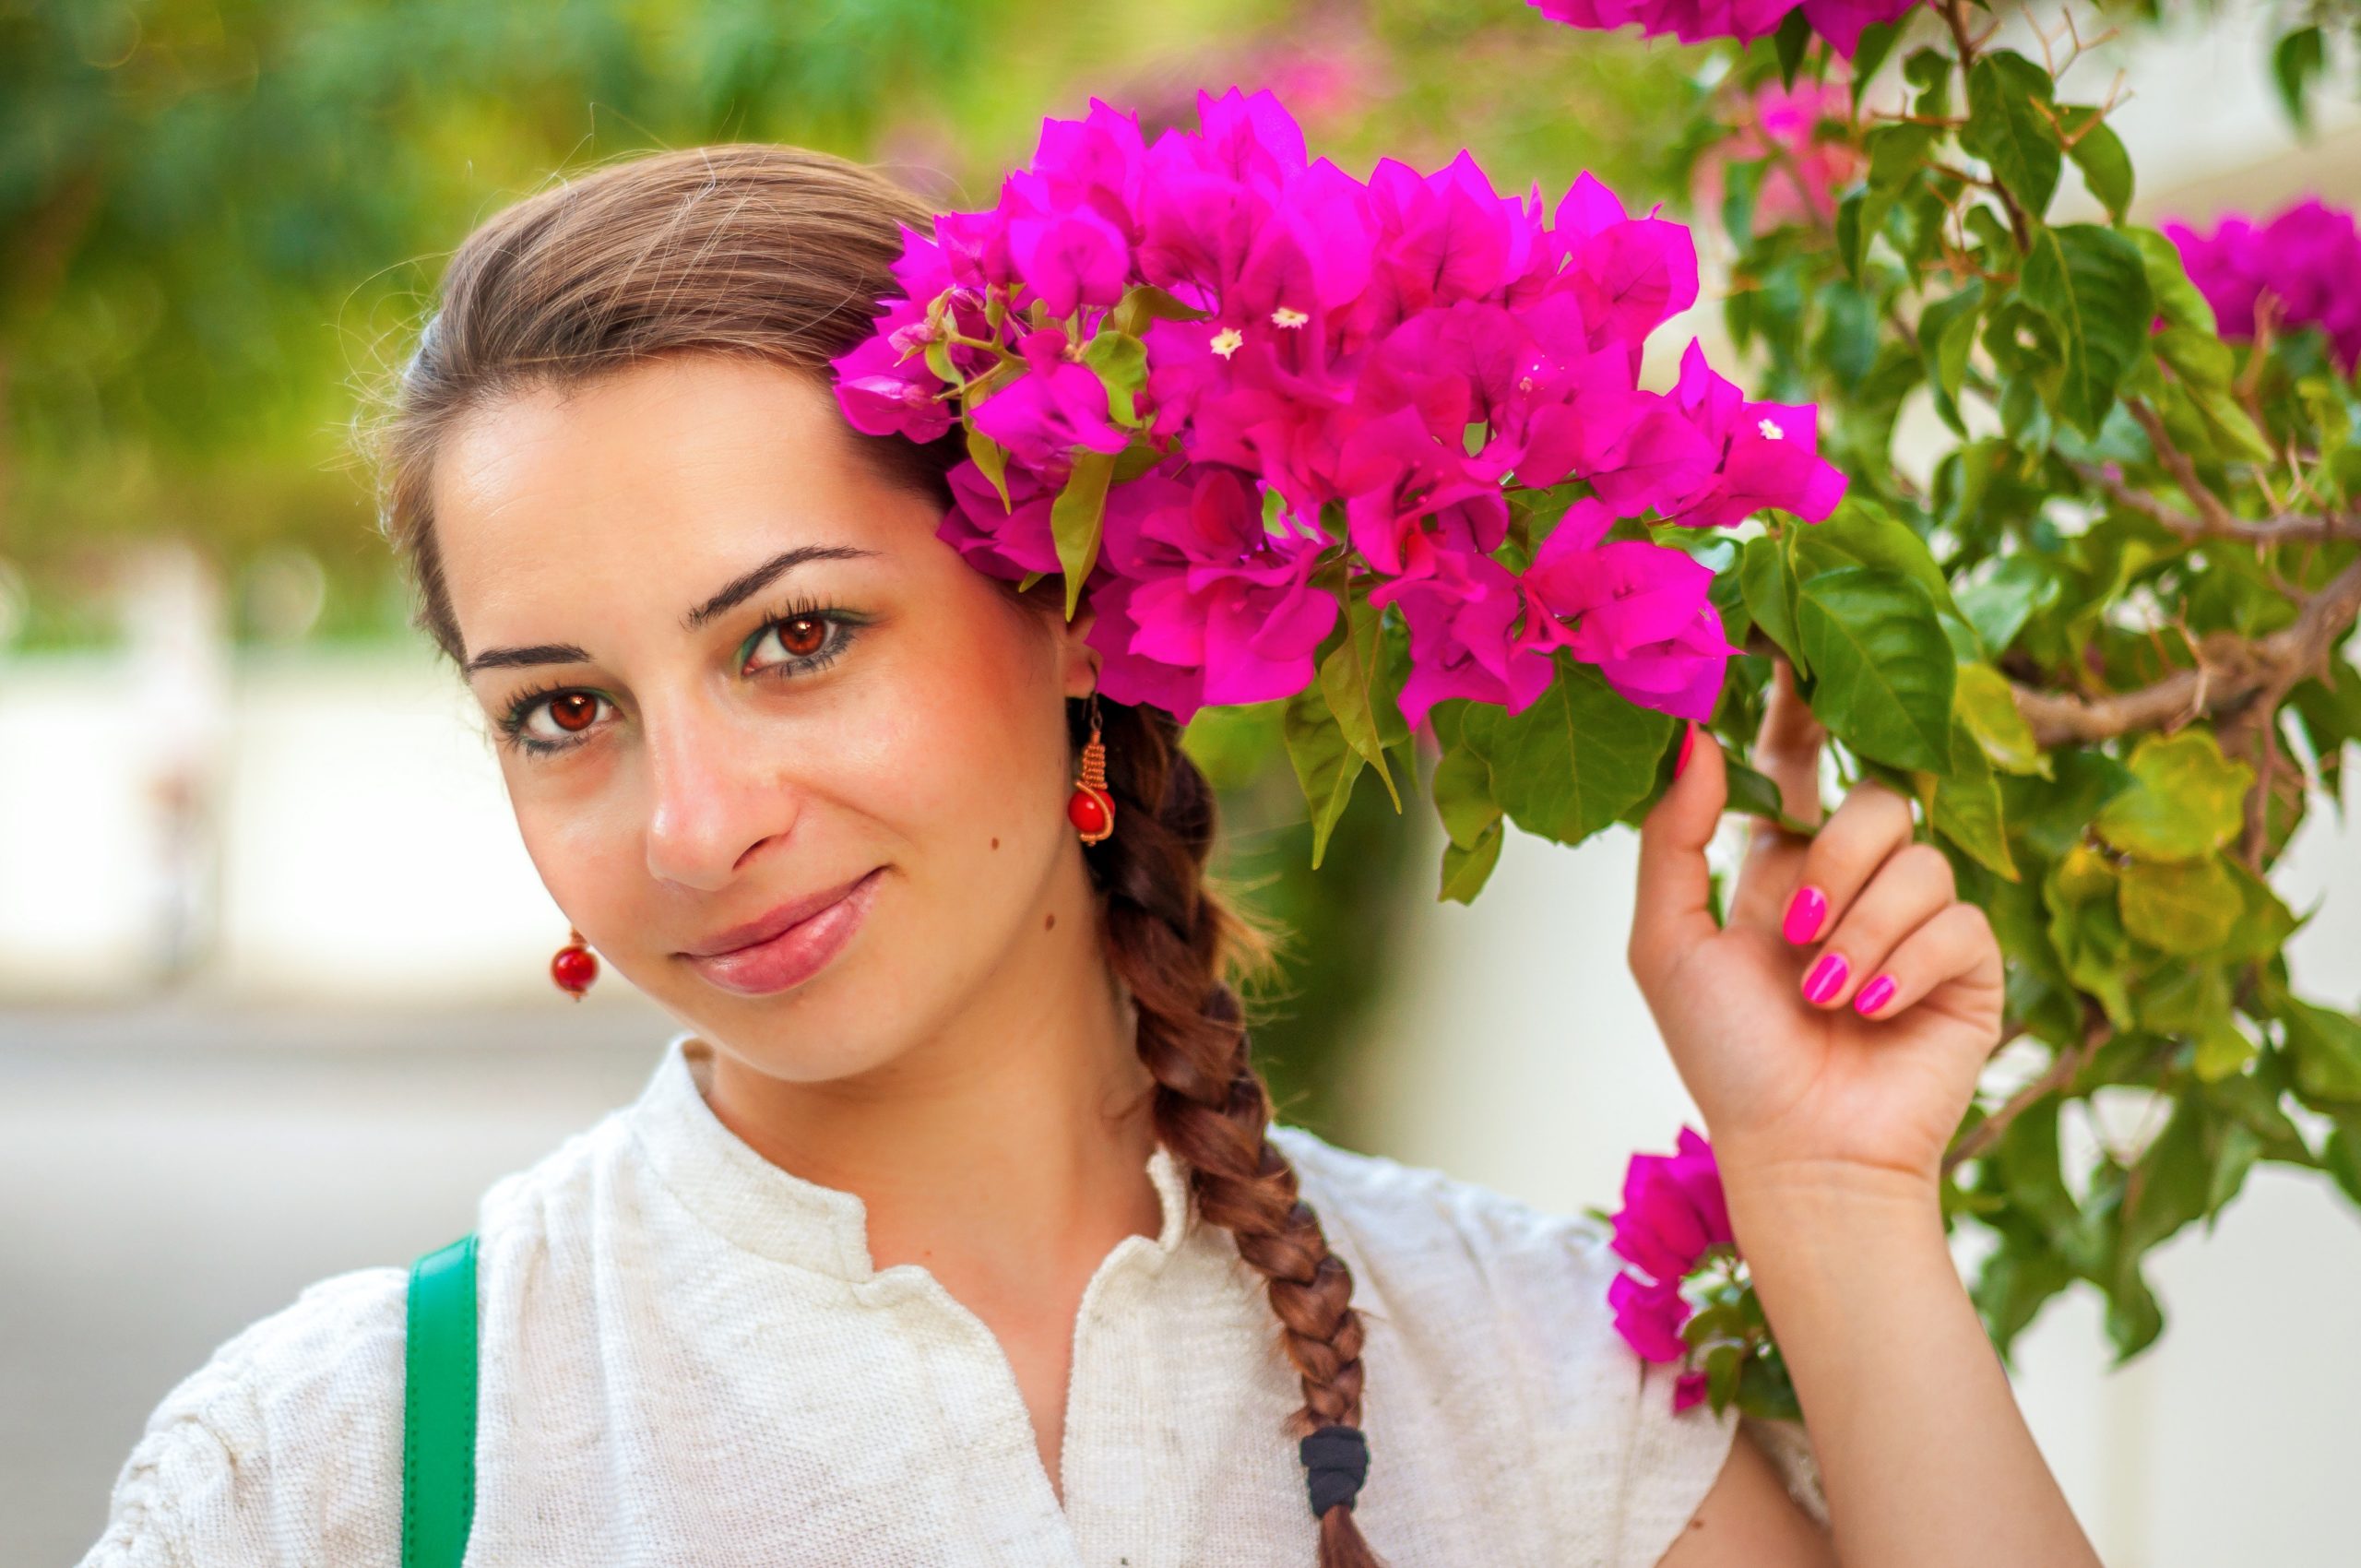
[713,801]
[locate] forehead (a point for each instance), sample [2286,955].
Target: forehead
[657,482]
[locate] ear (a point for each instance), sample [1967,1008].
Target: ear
[1078,660]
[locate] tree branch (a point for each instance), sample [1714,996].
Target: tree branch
[2280,528]
[2060,1073]
[2230,673]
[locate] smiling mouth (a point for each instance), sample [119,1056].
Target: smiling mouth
[789,946]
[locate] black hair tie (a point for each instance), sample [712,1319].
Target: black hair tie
[1337,1460]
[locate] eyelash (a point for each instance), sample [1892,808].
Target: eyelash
[843,626]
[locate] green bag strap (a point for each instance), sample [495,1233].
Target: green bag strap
[439,1408]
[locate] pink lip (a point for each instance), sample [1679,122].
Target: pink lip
[789,946]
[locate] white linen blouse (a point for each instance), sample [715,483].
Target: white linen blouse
[688,1359]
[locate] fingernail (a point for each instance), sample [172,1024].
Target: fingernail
[1827,978]
[1874,995]
[1805,911]
[1688,744]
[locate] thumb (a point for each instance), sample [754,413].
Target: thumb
[1674,911]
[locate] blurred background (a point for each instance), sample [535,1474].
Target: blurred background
[273,1000]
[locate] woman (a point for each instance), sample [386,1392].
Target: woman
[955,1230]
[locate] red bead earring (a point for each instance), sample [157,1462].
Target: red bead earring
[574,966]
[1090,808]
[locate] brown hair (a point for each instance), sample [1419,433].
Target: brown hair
[781,255]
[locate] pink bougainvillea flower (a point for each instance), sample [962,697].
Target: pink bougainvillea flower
[1767,454]
[1639,612]
[1649,1317]
[1842,22]
[1462,610]
[1221,603]
[2307,257]
[1056,406]
[1691,22]
[1069,254]
[1672,1210]
[1687,1389]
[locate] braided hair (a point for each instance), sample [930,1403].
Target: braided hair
[780,254]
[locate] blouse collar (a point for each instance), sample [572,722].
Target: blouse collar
[773,1212]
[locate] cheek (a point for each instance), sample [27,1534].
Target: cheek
[587,845]
[976,749]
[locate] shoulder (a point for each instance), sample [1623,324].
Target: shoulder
[285,1446]
[1415,1227]
[1494,1313]
[281,1442]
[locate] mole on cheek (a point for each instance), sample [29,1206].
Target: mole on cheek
[1050,921]
[995,843]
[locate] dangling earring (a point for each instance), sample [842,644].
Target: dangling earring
[1090,808]
[573,966]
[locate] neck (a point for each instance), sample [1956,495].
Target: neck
[1009,1149]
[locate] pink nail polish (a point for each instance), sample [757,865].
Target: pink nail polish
[1827,978]
[1874,995]
[1688,744]
[1805,911]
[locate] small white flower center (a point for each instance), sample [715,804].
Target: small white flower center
[1771,430]
[1228,341]
[1283,316]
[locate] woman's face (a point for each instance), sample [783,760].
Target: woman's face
[786,761]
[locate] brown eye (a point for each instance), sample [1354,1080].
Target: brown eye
[573,710]
[802,635]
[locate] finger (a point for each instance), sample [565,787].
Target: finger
[1675,907]
[1955,945]
[1912,887]
[1872,824]
[1787,749]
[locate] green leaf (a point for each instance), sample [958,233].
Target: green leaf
[1325,763]
[1997,606]
[1145,303]
[2015,140]
[1792,39]
[1876,43]
[2090,281]
[1946,332]
[1462,787]
[2186,799]
[1987,705]
[2176,298]
[2264,923]
[2180,907]
[2223,1049]
[1862,533]
[992,460]
[1755,795]
[2294,62]
[2098,152]
[2326,1049]
[1769,592]
[2343,1157]
[1465,871]
[1353,679]
[1121,361]
[1076,516]
[1966,807]
[1882,670]
[1576,760]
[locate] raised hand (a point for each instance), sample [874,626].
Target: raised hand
[1835,1028]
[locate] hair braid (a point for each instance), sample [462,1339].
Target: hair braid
[1172,938]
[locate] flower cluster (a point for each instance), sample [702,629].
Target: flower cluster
[1673,1214]
[1218,385]
[1841,22]
[2307,259]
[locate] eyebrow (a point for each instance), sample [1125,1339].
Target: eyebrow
[746,585]
[735,592]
